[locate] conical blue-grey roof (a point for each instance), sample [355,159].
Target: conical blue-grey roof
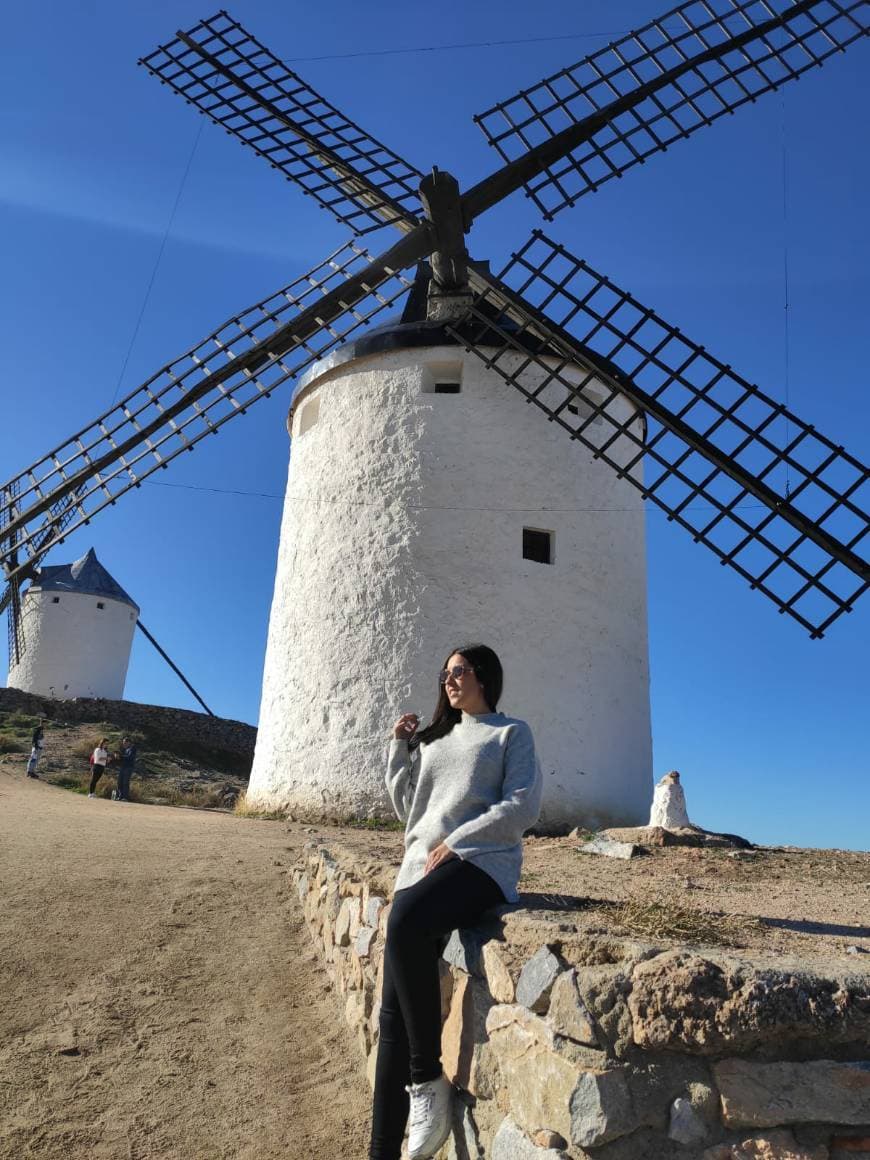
[86,575]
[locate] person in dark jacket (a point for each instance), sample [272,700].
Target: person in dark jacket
[35,750]
[126,763]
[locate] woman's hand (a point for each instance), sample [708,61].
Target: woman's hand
[440,854]
[406,727]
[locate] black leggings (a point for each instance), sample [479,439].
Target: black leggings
[97,772]
[409,1047]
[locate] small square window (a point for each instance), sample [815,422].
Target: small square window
[55,600]
[100,604]
[537,545]
[447,388]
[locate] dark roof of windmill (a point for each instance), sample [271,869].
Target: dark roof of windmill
[86,575]
[412,329]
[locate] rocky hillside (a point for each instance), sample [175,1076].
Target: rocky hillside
[184,758]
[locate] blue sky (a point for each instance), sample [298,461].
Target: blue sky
[768,728]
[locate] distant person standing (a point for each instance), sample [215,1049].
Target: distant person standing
[36,744]
[127,762]
[99,761]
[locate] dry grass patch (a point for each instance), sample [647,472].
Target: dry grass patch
[244,809]
[667,920]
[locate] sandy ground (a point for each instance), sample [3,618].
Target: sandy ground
[160,996]
[161,999]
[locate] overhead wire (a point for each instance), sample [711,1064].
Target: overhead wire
[526,40]
[157,261]
[785,279]
[432,507]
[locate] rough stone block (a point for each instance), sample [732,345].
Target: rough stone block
[332,902]
[373,906]
[329,867]
[536,980]
[539,1077]
[498,977]
[485,1080]
[302,886]
[355,915]
[687,1125]
[342,923]
[604,991]
[601,1108]
[760,1095]
[609,848]
[362,944]
[680,1001]
[463,951]
[457,1044]
[568,1014]
[771,1146]
[463,1143]
[511,1143]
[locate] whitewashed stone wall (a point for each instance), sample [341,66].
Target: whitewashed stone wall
[74,648]
[401,537]
[607,1048]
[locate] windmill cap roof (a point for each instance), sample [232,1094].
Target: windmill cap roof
[412,330]
[86,575]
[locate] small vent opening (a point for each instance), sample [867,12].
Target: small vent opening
[537,545]
[447,388]
[55,600]
[100,604]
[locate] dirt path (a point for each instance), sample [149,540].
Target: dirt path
[160,997]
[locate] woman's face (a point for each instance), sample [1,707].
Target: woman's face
[464,692]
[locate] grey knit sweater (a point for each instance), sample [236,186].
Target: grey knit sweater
[477,790]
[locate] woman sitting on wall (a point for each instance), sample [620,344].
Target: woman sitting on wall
[467,786]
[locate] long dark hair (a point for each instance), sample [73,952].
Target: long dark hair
[487,669]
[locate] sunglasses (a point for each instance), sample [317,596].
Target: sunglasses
[456,671]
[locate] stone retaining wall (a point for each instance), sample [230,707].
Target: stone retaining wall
[607,1048]
[231,743]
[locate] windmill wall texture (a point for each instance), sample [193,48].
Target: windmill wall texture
[401,538]
[76,645]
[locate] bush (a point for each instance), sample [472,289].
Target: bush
[392,824]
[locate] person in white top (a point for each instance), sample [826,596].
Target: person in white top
[99,761]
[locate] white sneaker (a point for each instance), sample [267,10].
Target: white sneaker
[430,1119]
[90,795]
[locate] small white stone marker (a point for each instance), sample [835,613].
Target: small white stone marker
[669,804]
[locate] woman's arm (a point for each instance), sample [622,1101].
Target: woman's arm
[400,781]
[505,822]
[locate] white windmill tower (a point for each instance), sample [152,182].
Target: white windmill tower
[403,527]
[75,633]
[424,511]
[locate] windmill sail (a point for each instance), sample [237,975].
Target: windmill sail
[234,79]
[768,494]
[772,497]
[660,84]
[195,395]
